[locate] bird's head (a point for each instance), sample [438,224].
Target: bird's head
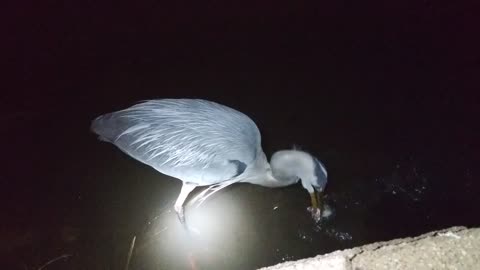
[295,165]
[320,175]
[290,166]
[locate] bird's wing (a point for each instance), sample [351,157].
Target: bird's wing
[191,134]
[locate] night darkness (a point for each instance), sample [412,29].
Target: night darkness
[385,94]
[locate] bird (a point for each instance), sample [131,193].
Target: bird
[207,144]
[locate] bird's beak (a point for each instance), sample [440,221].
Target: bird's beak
[317,199]
[314,199]
[317,207]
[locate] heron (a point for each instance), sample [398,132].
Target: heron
[207,144]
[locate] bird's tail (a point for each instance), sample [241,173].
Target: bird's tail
[98,127]
[107,127]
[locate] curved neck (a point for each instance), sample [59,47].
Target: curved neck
[268,180]
[286,167]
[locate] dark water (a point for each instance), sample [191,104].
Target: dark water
[383,95]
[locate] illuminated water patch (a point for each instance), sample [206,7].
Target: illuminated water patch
[215,233]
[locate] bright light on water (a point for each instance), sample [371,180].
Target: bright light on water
[216,231]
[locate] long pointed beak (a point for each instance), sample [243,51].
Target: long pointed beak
[314,199]
[317,199]
[320,199]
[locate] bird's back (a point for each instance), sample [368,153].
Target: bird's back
[194,140]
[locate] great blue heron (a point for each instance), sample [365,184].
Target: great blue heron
[204,143]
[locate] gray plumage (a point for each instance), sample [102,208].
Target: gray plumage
[194,140]
[203,143]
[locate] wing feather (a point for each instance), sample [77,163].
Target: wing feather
[180,133]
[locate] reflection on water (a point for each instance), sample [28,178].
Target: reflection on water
[217,233]
[211,229]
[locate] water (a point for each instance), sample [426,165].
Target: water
[386,101]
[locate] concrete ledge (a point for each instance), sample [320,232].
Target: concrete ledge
[453,248]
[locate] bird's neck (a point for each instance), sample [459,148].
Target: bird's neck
[286,168]
[268,180]
[260,172]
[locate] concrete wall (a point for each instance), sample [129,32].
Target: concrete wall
[453,248]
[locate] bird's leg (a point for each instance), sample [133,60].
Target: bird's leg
[186,189]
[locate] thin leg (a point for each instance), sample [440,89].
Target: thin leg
[186,189]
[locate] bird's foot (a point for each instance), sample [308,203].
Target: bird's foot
[315,212]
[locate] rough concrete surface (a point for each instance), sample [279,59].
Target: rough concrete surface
[453,248]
